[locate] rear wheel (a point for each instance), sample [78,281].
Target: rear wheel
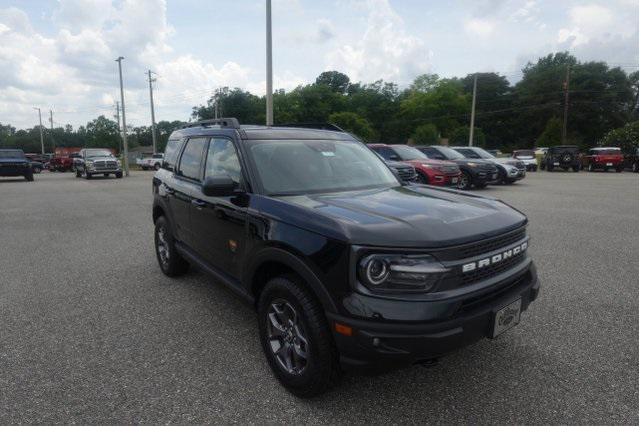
[156,167]
[296,338]
[171,262]
[29,177]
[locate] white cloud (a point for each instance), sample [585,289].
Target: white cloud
[479,27]
[586,22]
[385,51]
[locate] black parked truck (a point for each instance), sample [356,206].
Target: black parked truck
[14,163]
[348,267]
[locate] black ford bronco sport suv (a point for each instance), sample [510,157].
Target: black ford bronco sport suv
[13,162]
[346,266]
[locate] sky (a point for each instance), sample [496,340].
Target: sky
[60,54]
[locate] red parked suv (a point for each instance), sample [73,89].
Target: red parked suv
[431,172]
[603,158]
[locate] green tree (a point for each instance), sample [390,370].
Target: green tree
[337,81]
[102,133]
[426,134]
[353,123]
[551,136]
[461,134]
[626,138]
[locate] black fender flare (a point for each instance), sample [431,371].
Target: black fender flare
[279,255]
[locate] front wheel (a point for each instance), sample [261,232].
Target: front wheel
[465,181]
[296,338]
[118,175]
[171,262]
[156,167]
[422,178]
[29,177]
[635,167]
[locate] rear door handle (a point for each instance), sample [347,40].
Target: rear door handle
[198,203]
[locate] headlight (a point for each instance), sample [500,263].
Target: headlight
[89,163]
[428,166]
[473,164]
[397,272]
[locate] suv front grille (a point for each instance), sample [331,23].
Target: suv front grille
[491,270]
[406,173]
[105,165]
[478,301]
[450,170]
[492,244]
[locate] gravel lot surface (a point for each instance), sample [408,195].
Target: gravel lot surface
[91,331]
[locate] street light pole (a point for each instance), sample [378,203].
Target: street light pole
[126,145]
[472,113]
[41,136]
[151,80]
[269,66]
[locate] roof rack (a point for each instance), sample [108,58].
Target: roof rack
[231,122]
[317,126]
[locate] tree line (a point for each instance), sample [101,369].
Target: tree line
[529,113]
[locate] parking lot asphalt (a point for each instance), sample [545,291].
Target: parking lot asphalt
[91,331]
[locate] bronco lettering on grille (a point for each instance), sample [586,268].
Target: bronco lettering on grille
[499,257]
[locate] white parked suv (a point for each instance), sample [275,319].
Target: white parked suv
[153,162]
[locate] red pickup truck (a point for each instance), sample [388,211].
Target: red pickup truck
[603,158]
[62,163]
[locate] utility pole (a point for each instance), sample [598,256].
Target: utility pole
[41,137]
[216,107]
[564,129]
[151,80]
[52,138]
[269,66]
[117,116]
[472,113]
[126,145]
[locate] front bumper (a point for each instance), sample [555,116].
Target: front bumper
[377,345]
[445,179]
[100,171]
[483,176]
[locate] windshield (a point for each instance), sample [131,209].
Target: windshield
[98,153]
[450,153]
[318,166]
[408,153]
[12,154]
[483,153]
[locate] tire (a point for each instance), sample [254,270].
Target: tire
[170,261]
[619,169]
[118,175]
[465,181]
[550,167]
[78,173]
[422,178]
[88,175]
[156,167]
[635,167]
[576,169]
[290,317]
[29,177]
[591,168]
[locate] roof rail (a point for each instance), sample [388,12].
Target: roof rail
[317,126]
[231,122]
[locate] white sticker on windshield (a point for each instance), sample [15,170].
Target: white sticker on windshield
[328,154]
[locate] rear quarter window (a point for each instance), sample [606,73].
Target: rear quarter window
[171,153]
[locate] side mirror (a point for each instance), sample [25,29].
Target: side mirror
[218,186]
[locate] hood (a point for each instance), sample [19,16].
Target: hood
[403,216]
[465,161]
[431,162]
[510,161]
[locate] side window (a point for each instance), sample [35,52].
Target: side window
[386,152]
[222,160]
[171,153]
[468,153]
[191,161]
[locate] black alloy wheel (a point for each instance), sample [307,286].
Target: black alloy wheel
[296,338]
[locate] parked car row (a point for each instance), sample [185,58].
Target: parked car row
[461,167]
[569,157]
[153,162]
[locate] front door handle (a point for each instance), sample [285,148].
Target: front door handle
[198,203]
